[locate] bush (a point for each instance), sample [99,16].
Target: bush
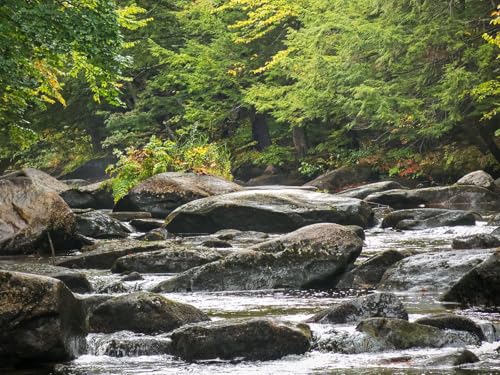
[194,155]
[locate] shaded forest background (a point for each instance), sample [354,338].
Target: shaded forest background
[409,87]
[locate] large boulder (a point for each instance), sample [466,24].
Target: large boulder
[272,211]
[97,195]
[380,305]
[456,197]
[103,254]
[38,178]
[455,322]
[163,193]
[432,271]
[400,334]
[98,225]
[363,191]
[41,320]
[249,339]
[478,178]
[369,273]
[75,281]
[177,258]
[310,256]
[480,286]
[476,241]
[342,178]
[424,218]
[143,312]
[30,209]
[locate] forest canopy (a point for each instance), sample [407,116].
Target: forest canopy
[409,87]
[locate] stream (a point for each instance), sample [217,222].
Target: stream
[296,306]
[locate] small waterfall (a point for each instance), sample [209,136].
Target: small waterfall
[127,344]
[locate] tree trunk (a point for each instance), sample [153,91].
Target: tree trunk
[299,141]
[260,131]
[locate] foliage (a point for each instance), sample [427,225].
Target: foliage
[195,154]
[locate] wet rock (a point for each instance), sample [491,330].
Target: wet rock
[97,196]
[76,182]
[383,305]
[144,313]
[272,211]
[145,225]
[104,253]
[348,343]
[342,178]
[494,220]
[238,235]
[480,286]
[432,271]
[478,178]
[132,276]
[428,218]
[30,208]
[176,258]
[216,243]
[98,225]
[363,191]
[496,232]
[278,179]
[92,170]
[458,358]
[163,193]
[114,287]
[129,345]
[400,334]
[128,216]
[158,234]
[476,241]
[75,281]
[91,302]
[369,273]
[310,256]
[360,232]
[456,197]
[453,322]
[257,339]
[41,320]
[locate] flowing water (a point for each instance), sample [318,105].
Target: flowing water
[104,357]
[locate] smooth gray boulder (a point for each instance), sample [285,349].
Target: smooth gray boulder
[97,196]
[342,178]
[458,358]
[456,197]
[164,192]
[257,339]
[379,305]
[271,211]
[310,256]
[432,271]
[98,225]
[480,286]
[361,192]
[41,320]
[75,281]
[476,241]
[143,312]
[424,218]
[478,178]
[454,322]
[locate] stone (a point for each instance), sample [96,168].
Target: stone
[128,216]
[369,273]
[458,358]
[176,258]
[143,312]
[456,197]
[271,211]
[478,178]
[98,225]
[41,320]
[92,170]
[75,281]
[216,243]
[164,192]
[104,253]
[132,276]
[145,225]
[30,209]
[424,218]
[454,322]
[476,241]
[238,235]
[342,178]
[97,196]
[257,339]
[431,271]
[361,192]
[158,234]
[38,178]
[480,286]
[309,257]
[380,305]
[400,334]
